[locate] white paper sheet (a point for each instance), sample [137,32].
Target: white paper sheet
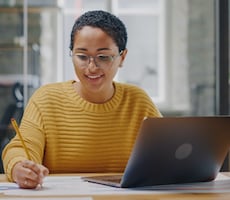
[74,186]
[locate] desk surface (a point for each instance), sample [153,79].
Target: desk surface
[166,196]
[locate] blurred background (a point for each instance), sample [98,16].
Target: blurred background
[178,52]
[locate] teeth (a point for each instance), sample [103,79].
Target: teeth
[94,76]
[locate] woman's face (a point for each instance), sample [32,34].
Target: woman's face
[95,76]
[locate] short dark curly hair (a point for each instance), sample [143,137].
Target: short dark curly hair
[107,22]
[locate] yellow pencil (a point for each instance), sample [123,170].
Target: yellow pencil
[14,123]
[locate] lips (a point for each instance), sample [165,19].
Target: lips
[93,76]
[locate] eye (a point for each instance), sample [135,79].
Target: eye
[104,58]
[82,57]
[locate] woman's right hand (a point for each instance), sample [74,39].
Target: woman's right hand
[28,174]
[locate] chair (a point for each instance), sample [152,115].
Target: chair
[15,110]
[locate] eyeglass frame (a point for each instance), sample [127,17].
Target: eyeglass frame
[90,58]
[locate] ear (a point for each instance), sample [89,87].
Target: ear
[123,55]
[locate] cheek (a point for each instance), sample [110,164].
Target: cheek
[75,67]
[112,72]
[77,70]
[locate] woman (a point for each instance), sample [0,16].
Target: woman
[88,125]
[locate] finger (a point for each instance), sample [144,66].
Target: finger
[31,165]
[44,170]
[32,172]
[28,184]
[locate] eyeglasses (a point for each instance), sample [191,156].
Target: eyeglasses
[100,60]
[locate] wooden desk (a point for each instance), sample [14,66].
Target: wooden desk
[172,196]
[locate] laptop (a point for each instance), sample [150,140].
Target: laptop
[174,150]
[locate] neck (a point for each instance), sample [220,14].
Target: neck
[94,97]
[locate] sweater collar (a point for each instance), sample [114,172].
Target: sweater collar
[108,106]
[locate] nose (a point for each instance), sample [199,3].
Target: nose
[92,64]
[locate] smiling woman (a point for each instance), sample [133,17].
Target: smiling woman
[97,51]
[81,126]
[96,59]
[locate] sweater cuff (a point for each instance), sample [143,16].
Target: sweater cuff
[11,165]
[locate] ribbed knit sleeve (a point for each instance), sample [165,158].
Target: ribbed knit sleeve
[68,134]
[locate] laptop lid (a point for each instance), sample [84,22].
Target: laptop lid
[173,150]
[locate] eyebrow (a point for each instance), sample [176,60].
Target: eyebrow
[100,49]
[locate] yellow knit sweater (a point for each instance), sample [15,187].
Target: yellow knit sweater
[68,134]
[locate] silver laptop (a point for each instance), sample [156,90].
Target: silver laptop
[173,150]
